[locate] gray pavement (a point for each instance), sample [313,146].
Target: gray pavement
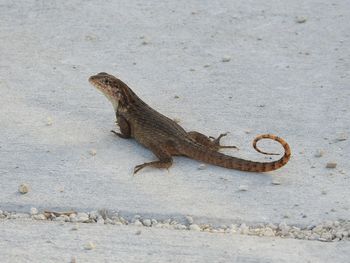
[287,74]
[54,242]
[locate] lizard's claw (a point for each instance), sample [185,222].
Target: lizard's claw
[119,134]
[138,168]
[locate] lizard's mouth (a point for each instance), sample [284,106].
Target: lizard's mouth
[105,90]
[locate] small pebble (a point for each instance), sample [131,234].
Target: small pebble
[23,188]
[331,165]
[226,59]
[318,229]
[138,232]
[89,246]
[319,153]
[176,97]
[93,215]
[180,227]
[39,217]
[60,218]
[268,232]
[326,236]
[202,166]
[189,219]
[137,223]
[75,227]
[73,260]
[243,188]
[147,222]
[206,66]
[300,19]
[276,181]
[82,217]
[286,215]
[284,228]
[244,229]
[49,121]
[194,227]
[33,211]
[100,221]
[92,152]
[342,136]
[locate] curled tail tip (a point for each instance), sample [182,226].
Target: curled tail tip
[287,152]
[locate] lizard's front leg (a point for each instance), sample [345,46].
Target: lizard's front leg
[211,142]
[165,159]
[125,131]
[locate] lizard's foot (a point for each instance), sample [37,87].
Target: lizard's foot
[210,142]
[216,141]
[119,134]
[157,164]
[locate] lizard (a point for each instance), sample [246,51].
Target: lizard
[166,138]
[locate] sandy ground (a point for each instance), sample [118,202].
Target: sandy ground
[286,72]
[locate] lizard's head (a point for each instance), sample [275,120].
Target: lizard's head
[114,89]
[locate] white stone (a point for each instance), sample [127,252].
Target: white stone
[33,211]
[319,153]
[202,166]
[243,188]
[226,59]
[137,223]
[75,227]
[180,227]
[92,152]
[23,188]
[147,222]
[100,220]
[328,224]
[268,232]
[93,215]
[342,136]
[284,228]
[189,219]
[318,229]
[194,227]
[39,217]
[326,236]
[89,246]
[243,229]
[83,217]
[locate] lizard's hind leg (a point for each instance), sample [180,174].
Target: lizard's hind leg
[165,159]
[211,142]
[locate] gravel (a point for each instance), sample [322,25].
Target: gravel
[326,231]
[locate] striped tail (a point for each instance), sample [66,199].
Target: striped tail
[202,154]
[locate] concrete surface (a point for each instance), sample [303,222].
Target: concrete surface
[54,242]
[288,74]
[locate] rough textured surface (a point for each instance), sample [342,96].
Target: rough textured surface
[247,67]
[55,242]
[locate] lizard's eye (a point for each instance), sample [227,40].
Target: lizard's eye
[106,81]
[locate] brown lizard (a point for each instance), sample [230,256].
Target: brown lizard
[165,138]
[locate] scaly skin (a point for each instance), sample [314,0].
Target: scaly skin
[165,138]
